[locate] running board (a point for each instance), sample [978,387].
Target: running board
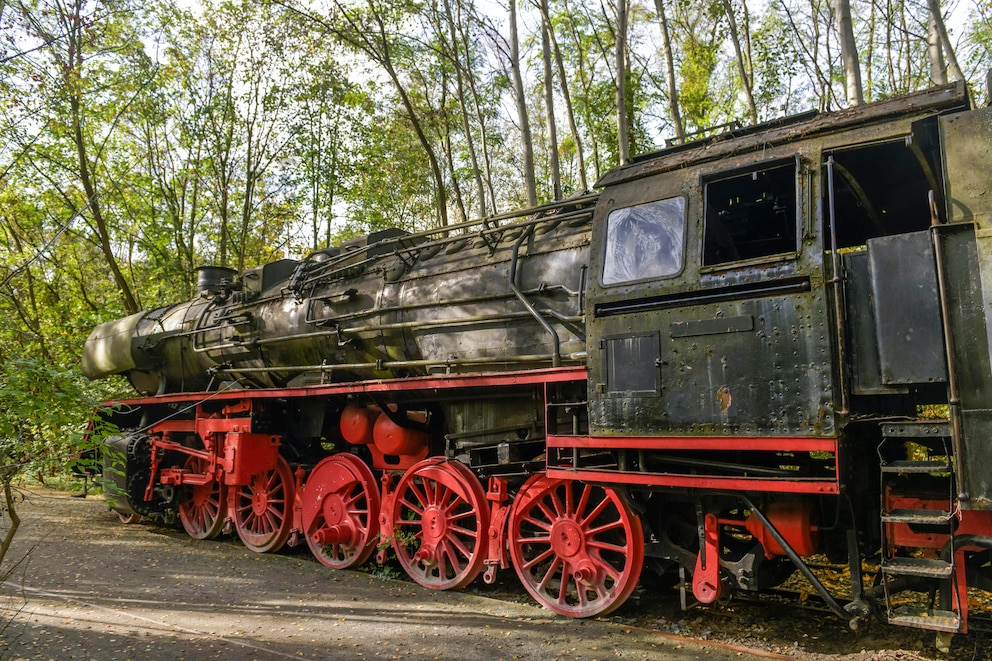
[926,618]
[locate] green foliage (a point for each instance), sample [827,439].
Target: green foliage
[698,66]
[44,413]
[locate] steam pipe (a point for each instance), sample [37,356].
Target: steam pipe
[512,281]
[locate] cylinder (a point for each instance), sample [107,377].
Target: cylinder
[794,520]
[391,439]
[357,424]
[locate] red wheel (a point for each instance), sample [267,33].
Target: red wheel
[263,509]
[440,524]
[577,548]
[340,508]
[201,506]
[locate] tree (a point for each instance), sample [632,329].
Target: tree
[849,53]
[623,132]
[941,47]
[672,89]
[741,38]
[527,142]
[373,32]
[94,68]
[43,411]
[549,102]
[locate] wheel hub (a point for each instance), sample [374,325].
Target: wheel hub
[259,497]
[334,509]
[435,525]
[567,538]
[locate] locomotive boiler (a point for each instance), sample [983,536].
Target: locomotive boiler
[743,352]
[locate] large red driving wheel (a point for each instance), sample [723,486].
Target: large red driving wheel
[340,508]
[577,548]
[440,524]
[201,506]
[263,509]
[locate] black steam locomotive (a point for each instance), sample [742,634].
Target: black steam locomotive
[743,352]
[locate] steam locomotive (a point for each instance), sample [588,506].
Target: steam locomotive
[744,352]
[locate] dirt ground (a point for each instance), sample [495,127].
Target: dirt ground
[91,588]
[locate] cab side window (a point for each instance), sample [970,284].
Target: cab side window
[645,241]
[751,215]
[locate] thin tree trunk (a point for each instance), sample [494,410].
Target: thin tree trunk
[849,53]
[586,93]
[938,68]
[743,67]
[869,66]
[459,80]
[15,520]
[937,21]
[569,110]
[623,131]
[673,90]
[530,182]
[549,102]
[480,118]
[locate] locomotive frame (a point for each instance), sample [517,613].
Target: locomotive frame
[714,368]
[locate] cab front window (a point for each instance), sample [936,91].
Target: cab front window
[645,241]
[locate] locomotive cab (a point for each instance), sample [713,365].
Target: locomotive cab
[795,310]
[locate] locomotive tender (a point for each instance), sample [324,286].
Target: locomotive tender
[743,352]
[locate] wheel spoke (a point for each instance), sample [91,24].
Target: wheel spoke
[549,552]
[552,570]
[591,559]
[449,525]
[262,517]
[200,505]
[596,511]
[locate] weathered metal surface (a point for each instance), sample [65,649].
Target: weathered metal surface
[481,301]
[906,309]
[773,134]
[739,348]
[969,319]
[966,144]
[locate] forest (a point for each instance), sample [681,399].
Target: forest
[141,140]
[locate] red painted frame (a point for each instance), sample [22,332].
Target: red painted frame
[714,443]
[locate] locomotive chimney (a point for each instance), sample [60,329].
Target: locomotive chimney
[210,280]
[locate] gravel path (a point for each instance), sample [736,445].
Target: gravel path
[88,587]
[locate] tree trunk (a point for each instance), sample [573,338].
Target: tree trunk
[15,520]
[623,131]
[938,68]
[743,61]
[92,199]
[849,53]
[569,109]
[549,102]
[466,127]
[673,90]
[530,182]
[937,21]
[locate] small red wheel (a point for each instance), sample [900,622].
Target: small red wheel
[440,524]
[263,509]
[201,508]
[340,509]
[577,548]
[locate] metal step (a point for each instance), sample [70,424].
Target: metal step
[917,567]
[910,466]
[917,429]
[925,618]
[920,517]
